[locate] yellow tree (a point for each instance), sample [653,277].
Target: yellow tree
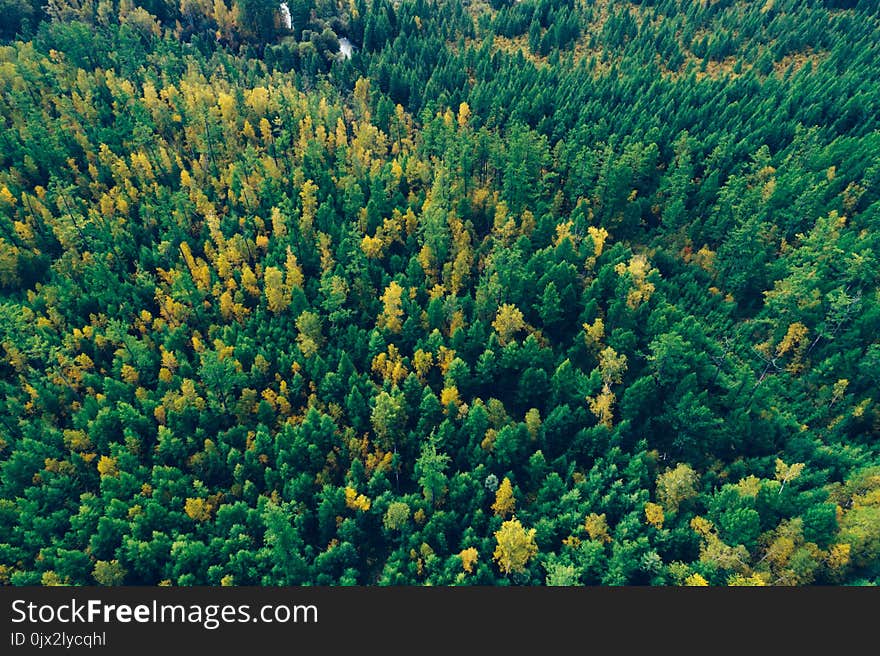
[508,322]
[356,501]
[469,558]
[392,311]
[676,485]
[786,473]
[638,270]
[599,236]
[533,422]
[594,332]
[654,514]
[309,199]
[362,96]
[107,466]
[716,552]
[293,273]
[372,246]
[279,223]
[597,527]
[612,365]
[197,509]
[504,504]
[795,340]
[249,280]
[464,113]
[515,546]
[390,365]
[325,248]
[602,406]
[696,580]
[422,362]
[449,395]
[276,296]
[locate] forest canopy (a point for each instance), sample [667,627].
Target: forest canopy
[514,293]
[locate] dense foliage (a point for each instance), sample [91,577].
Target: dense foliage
[522,292]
